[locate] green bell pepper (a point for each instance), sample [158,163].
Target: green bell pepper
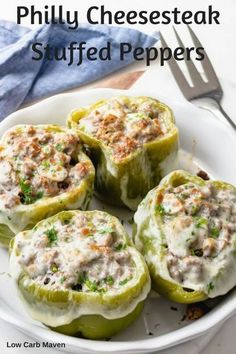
[183,221]
[31,208]
[125,181]
[73,301]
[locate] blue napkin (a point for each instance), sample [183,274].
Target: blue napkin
[23,79]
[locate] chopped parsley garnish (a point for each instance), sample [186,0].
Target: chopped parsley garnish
[90,284]
[45,164]
[82,278]
[160,209]
[27,196]
[93,286]
[52,234]
[109,280]
[59,147]
[201,223]
[62,279]
[120,247]
[26,190]
[215,232]
[125,281]
[39,195]
[210,287]
[106,230]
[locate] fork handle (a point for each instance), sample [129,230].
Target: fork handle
[230,121]
[214,106]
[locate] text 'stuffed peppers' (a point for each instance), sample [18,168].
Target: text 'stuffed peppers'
[78,274]
[186,230]
[43,170]
[133,143]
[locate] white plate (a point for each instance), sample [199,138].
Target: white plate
[206,142]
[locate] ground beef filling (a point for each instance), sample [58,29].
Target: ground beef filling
[200,228]
[82,253]
[124,127]
[36,163]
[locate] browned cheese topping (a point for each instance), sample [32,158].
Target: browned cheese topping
[125,124]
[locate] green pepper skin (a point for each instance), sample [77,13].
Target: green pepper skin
[144,237]
[98,327]
[125,183]
[51,307]
[24,217]
[5,235]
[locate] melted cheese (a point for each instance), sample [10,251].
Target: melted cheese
[43,171]
[124,125]
[35,162]
[194,243]
[85,253]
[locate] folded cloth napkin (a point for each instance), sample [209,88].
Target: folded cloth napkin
[23,79]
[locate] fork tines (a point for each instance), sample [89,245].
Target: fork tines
[199,88]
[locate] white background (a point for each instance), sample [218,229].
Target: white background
[218,40]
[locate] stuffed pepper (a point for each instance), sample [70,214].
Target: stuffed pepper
[78,274]
[133,143]
[42,171]
[186,229]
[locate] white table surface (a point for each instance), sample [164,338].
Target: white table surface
[220,44]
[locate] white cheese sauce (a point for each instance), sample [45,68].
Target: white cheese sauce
[36,162]
[83,253]
[196,244]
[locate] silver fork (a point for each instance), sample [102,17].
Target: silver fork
[211,89]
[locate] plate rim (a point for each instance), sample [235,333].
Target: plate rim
[218,315]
